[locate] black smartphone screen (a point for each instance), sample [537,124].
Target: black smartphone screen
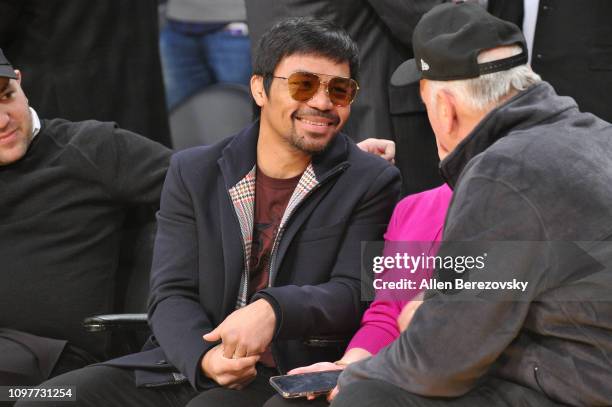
[299,385]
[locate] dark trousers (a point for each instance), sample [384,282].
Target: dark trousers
[20,366]
[374,393]
[107,386]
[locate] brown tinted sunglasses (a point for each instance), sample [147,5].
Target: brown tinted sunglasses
[304,85]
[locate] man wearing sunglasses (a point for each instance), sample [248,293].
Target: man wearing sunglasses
[257,254]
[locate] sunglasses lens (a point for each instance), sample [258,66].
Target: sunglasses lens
[303,85]
[342,91]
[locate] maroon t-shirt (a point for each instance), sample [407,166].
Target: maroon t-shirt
[271,198]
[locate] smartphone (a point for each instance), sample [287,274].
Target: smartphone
[301,385]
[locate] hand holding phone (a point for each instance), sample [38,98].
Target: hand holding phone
[305,384]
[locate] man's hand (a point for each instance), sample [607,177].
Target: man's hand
[404,318]
[230,373]
[247,331]
[316,367]
[319,367]
[381,147]
[352,355]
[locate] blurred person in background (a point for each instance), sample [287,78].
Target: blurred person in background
[89,60]
[202,43]
[570,46]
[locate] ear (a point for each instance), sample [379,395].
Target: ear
[258,91]
[446,111]
[18,73]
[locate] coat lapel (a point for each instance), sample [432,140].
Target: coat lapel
[243,199]
[237,165]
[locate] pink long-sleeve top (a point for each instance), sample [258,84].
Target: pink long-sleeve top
[419,217]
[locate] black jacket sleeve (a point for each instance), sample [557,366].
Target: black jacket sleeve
[175,314]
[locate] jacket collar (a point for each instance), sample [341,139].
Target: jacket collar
[524,110]
[335,154]
[240,155]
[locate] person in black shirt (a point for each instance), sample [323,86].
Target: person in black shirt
[65,189]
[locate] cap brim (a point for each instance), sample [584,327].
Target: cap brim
[406,73]
[7,72]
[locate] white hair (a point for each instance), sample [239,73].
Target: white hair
[490,90]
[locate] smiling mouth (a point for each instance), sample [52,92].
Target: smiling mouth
[316,118]
[7,134]
[315,123]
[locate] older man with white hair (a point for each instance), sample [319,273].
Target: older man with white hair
[529,170]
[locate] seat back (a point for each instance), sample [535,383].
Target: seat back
[214,113]
[132,280]
[132,283]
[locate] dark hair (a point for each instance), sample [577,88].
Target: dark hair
[303,35]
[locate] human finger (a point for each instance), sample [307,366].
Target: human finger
[213,336]
[229,347]
[389,151]
[240,351]
[332,394]
[316,367]
[244,363]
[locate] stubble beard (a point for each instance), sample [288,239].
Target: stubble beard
[299,143]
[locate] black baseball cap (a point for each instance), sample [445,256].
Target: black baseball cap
[448,39]
[6,69]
